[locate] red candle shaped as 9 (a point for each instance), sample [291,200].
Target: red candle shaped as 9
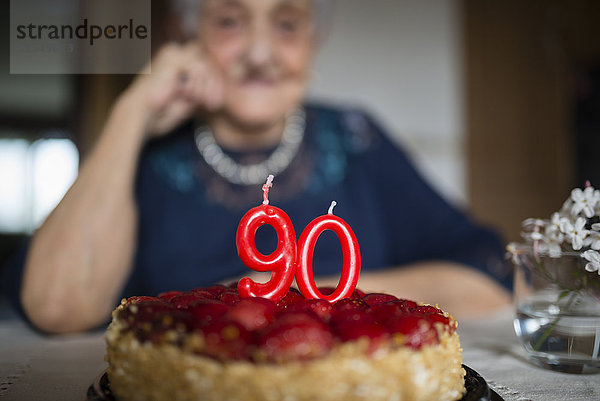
[281,262]
[350,252]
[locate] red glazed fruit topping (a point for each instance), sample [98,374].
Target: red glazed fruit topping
[225,339]
[206,311]
[350,304]
[290,298]
[183,301]
[375,333]
[426,309]
[215,290]
[169,294]
[435,315]
[203,293]
[434,318]
[323,309]
[229,297]
[295,328]
[145,309]
[349,316]
[253,313]
[137,299]
[378,298]
[295,336]
[412,331]
[386,311]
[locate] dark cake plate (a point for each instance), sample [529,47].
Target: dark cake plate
[476,386]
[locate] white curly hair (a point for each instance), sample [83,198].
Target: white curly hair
[189,10]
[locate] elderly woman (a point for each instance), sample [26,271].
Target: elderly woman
[181,159]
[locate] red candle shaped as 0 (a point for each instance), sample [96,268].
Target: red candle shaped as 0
[281,262]
[350,252]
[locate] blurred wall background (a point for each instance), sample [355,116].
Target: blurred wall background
[497,101]
[403,61]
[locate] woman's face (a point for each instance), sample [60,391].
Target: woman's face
[263,50]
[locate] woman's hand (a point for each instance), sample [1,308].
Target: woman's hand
[177,83]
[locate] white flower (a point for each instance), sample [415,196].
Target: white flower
[593,259]
[555,222]
[584,201]
[575,233]
[593,240]
[551,247]
[566,207]
[552,239]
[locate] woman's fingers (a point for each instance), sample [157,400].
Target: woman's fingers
[204,85]
[181,82]
[174,72]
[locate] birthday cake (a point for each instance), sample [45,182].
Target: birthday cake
[211,344]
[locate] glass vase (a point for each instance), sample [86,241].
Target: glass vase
[557,309]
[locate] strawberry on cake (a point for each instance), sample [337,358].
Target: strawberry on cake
[210,344]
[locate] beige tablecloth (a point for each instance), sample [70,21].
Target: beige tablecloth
[34,367]
[493,350]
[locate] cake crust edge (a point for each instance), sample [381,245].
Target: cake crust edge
[158,372]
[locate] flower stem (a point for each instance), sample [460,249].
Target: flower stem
[550,328]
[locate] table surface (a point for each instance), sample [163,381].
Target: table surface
[38,367]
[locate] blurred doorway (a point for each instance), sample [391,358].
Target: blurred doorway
[530,128]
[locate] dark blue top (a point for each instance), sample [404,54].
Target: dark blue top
[188,215]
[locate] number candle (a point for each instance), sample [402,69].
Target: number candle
[281,262]
[350,252]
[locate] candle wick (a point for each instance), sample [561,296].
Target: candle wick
[265,189]
[330,211]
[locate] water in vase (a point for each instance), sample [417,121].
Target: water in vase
[563,342]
